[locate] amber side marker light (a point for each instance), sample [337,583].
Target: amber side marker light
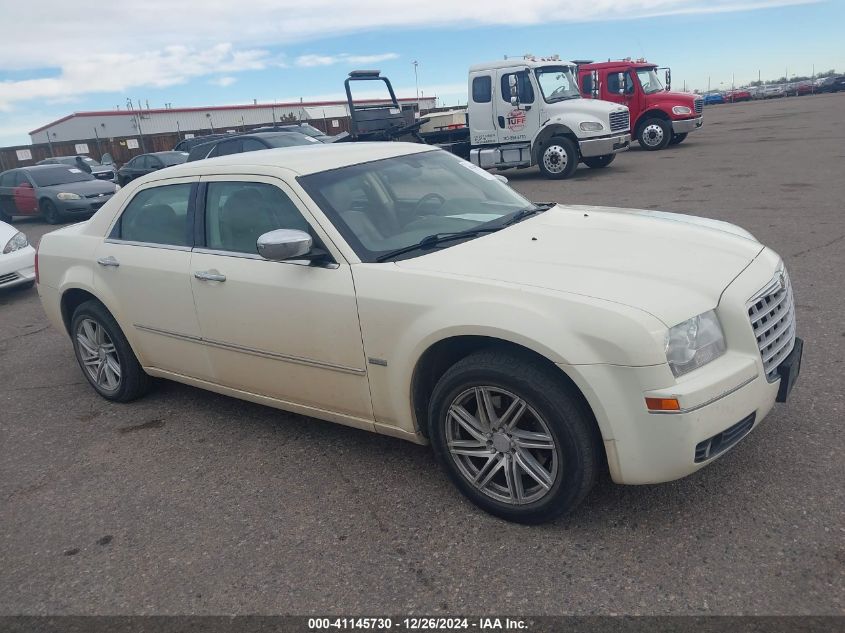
[662,404]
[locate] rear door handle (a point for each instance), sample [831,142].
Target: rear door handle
[206,275]
[108,261]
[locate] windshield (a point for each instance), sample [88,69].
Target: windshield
[58,175]
[309,130]
[173,158]
[289,139]
[649,80]
[394,203]
[557,83]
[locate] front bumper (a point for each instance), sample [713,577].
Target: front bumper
[17,268]
[605,145]
[685,126]
[82,207]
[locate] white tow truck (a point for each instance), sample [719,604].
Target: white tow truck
[521,112]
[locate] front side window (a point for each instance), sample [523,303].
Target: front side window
[394,203]
[557,83]
[224,148]
[523,87]
[158,215]
[238,213]
[613,84]
[482,88]
[649,81]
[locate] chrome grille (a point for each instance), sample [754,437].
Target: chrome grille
[772,315]
[620,121]
[699,105]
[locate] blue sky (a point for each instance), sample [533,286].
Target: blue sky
[264,50]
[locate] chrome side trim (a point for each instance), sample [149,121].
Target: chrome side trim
[211,251]
[295,262]
[709,402]
[298,360]
[377,361]
[169,247]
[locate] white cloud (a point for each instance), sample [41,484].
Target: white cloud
[343,58]
[223,82]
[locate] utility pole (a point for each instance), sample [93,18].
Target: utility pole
[97,136]
[417,83]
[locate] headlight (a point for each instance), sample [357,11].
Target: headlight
[17,242]
[694,343]
[69,196]
[591,126]
[681,110]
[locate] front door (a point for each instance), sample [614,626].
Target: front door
[521,122]
[142,275]
[24,195]
[623,91]
[282,329]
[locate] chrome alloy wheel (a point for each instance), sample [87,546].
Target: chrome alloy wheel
[98,355]
[501,445]
[653,135]
[555,159]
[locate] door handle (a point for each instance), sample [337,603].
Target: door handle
[206,275]
[108,261]
[501,121]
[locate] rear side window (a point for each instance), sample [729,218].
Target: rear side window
[523,85]
[158,215]
[251,145]
[8,179]
[238,213]
[587,84]
[482,89]
[224,148]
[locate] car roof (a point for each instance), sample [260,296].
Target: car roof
[302,159]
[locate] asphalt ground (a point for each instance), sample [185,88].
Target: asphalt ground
[187,502]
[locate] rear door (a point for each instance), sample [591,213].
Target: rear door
[7,185]
[25,201]
[142,274]
[482,121]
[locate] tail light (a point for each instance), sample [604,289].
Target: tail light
[36,261]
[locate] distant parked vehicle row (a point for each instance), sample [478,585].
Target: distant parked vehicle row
[147,163]
[56,192]
[831,84]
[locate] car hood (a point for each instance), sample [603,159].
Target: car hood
[670,265]
[675,98]
[83,188]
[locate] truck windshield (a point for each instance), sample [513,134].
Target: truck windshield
[392,204]
[649,80]
[557,83]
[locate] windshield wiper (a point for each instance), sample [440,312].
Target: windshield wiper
[520,215]
[430,241]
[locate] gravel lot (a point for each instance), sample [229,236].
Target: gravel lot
[190,502]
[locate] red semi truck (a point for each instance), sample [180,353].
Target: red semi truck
[659,117]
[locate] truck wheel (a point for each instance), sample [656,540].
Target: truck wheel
[511,438]
[677,139]
[654,134]
[597,162]
[559,158]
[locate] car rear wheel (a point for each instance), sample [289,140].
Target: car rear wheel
[597,162]
[50,212]
[654,134]
[677,139]
[559,158]
[511,438]
[105,356]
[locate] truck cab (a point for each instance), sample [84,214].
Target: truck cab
[659,117]
[529,111]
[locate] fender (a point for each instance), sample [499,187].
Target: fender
[552,127]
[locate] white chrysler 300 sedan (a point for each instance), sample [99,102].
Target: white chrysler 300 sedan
[398,289]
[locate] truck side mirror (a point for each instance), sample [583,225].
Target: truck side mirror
[514,90]
[668,79]
[620,77]
[514,101]
[595,85]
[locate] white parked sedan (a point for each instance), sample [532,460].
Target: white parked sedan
[17,258]
[398,289]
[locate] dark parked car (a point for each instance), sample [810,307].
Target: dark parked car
[249,143]
[831,84]
[302,128]
[85,163]
[187,144]
[148,163]
[54,191]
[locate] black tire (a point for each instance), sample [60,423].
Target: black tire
[50,212]
[598,162]
[677,139]
[133,381]
[26,286]
[576,444]
[558,159]
[654,134]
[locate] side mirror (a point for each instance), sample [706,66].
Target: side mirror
[514,101]
[620,77]
[596,89]
[283,244]
[500,178]
[668,79]
[514,90]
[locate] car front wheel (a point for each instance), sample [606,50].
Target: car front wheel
[50,212]
[512,438]
[105,356]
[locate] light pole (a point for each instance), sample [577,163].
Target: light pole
[417,84]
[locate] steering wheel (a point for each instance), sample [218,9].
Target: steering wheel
[425,198]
